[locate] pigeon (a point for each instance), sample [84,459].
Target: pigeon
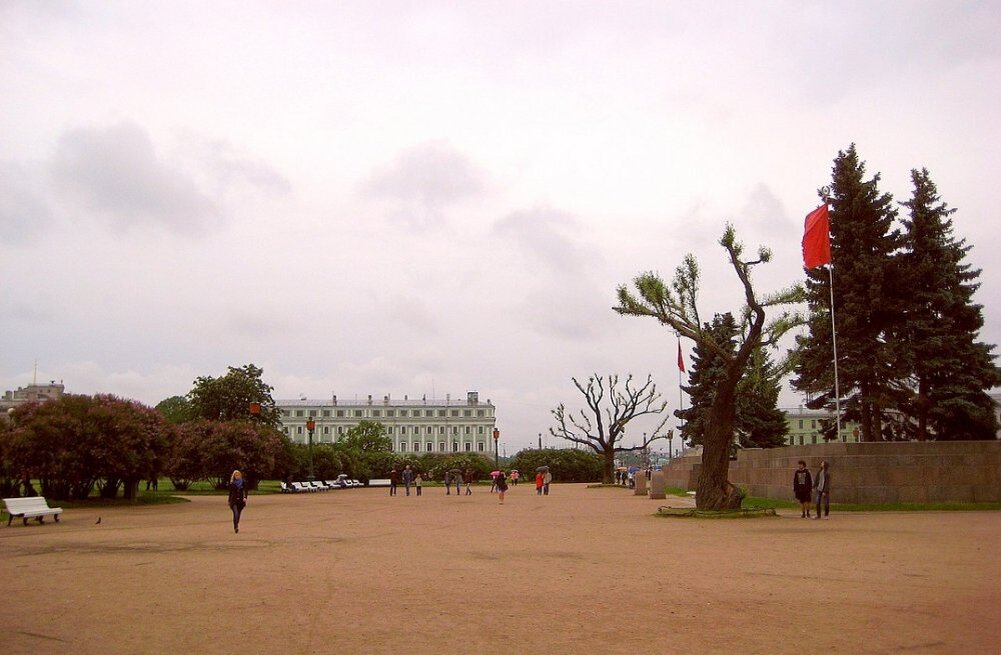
[98,521]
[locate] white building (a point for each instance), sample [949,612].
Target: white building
[804,426]
[424,425]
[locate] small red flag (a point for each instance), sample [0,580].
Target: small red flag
[817,238]
[681,359]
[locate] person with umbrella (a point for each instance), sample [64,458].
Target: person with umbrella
[547,479]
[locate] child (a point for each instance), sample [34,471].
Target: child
[417,482]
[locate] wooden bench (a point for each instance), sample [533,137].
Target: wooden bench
[30,508]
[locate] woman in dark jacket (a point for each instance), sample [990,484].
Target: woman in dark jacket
[237,497]
[822,487]
[501,482]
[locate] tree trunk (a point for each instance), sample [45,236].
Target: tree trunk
[714,491]
[608,466]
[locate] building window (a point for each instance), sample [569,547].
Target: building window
[430,430]
[340,413]
[455,412]
[469,446]
[479,413]
[298,412]
[800,424]
[479,446]
[403,429]
[467,429]
[403,413]
[467,413]
[340,429]
[430,446]
[441,429]
[403,446]
[441,446]
[376,413]
[390,413]
[298,429]
[312,413]
[326,413]
[326,429]
[442,412]
[455,446]
[389,430]
[358,413]
[479,430]
[429,412]
[813,425]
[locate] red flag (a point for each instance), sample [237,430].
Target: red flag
[817,238]
[681,360]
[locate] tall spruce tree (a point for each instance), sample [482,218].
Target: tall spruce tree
[950,370]
[867,295]
[708,370]
[758,422]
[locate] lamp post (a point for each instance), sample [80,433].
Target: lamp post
[496,452]
[255,409]
[670,448]
[310,426]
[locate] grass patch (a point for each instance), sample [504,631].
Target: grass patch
[691,512]
[916,507]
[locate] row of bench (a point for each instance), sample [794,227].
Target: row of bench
[318,485]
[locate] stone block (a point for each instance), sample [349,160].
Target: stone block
[640,487]
[657,486]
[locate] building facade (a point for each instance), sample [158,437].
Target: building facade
[31,393]
[805,426]
[418,426]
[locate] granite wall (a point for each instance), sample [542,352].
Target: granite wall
[883,472]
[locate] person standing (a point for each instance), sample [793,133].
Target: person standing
[547,479]
[394,479]
[448,483]
[237,498]
[418,481]
[822,489]
[802,485]
[467,478]
[538,483]
[408,478]
[501,482]
[458,481]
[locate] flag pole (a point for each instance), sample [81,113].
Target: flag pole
[681,389]
[834,343]
[834,331]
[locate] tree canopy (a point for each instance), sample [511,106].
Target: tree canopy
[232,396]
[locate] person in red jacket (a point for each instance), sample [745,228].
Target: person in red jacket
[538,483]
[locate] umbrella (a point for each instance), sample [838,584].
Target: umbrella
[494,472]
[515,471]
[455,471]
[542,468]
[622,468]
[633,469]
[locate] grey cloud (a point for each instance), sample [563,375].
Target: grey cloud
[547,236]
[227,168]
[424,181]
[116,172]
[24,215]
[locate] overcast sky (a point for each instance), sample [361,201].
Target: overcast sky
[421,198]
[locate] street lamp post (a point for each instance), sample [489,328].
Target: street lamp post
[670,448]
[310,426]
[496,452]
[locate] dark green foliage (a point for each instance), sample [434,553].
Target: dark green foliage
[760,423]
[950,370]
[868,294]
[566,465]
[176,409]
[230,397]
[708,371]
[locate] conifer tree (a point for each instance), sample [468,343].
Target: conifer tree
[866,298]
[950,371]
[760,423]
[708,369]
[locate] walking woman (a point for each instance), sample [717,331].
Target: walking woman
[501,481]
[823,487]
[237,498]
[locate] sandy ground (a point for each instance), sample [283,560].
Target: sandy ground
[580,571]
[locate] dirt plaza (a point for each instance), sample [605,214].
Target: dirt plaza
[580,571]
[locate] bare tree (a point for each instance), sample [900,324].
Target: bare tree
[676,306]
[602,425]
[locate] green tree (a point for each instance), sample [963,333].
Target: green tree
[707,372]
[176,409]
[759,422]
[603,424]
[231,397]
[565,464]
[868,294]
[676,306]
[950,371]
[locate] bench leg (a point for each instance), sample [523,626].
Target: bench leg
[9,519]
[41,520]
[25,521]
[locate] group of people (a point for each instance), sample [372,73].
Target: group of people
[410,478]
[807,488]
